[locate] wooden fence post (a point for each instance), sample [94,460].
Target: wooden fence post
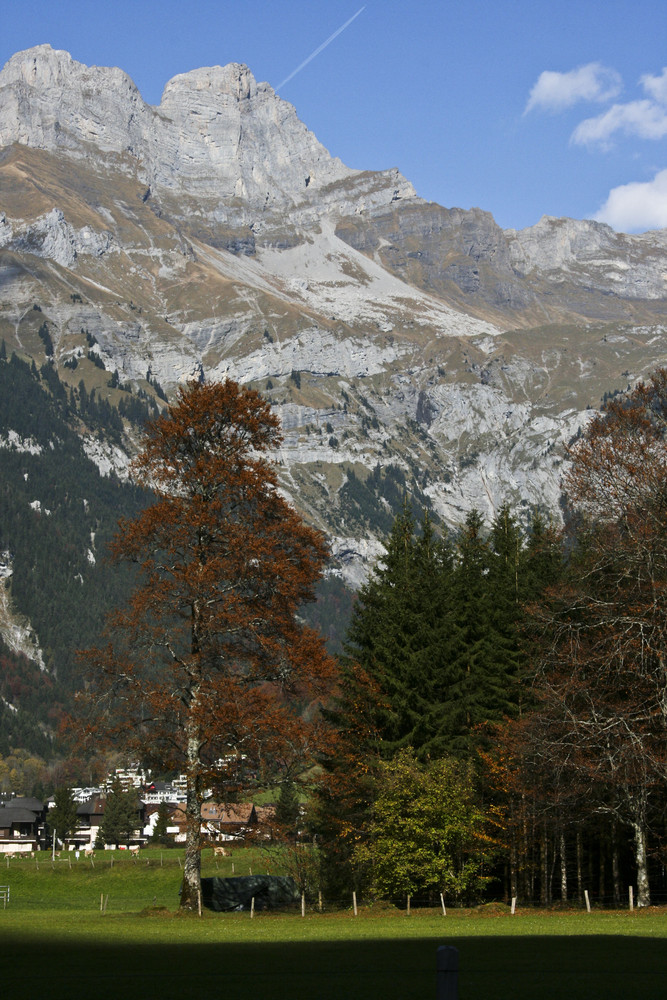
[631,898]
[513,905]
[408,906]
[354,902]
[252,907]
[588,902]
[447,983]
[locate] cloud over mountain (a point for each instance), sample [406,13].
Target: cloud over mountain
[638,205]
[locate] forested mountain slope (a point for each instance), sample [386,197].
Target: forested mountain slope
[57,514]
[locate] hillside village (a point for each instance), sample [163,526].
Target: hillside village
[25,828]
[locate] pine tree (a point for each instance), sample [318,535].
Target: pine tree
[121,815]
[397,642]
[288,810]
[475,683]
[160,835]
[62,816]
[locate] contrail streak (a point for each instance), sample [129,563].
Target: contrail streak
[321,48]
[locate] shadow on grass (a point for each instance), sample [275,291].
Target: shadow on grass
[491,968]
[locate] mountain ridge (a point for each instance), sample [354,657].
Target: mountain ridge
[387,331]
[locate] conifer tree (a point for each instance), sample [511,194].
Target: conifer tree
[160,835]
[477,683]
[62,816]
[288,810]
[121,815]
[398,638]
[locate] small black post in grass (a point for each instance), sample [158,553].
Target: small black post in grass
[447,982]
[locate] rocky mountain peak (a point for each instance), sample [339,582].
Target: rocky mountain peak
[218,136]
[234,80]
[403,344]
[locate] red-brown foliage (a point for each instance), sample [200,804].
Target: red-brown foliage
[208,669]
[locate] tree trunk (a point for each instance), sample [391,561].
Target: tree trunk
[544,866]
[514,882]
[563,867]
[615,873]
[580,888]
[643,890]
[192,864]
[527,866]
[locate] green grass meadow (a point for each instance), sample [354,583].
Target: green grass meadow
[56,943]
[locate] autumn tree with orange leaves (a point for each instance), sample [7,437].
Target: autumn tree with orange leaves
[208,670]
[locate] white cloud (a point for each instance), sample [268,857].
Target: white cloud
[638,206]
[558,91]
[656,86]
[645,119]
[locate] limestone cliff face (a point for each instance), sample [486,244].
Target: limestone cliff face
[49,101]
[217,135]
[592,253]
[553,271]
[214,234]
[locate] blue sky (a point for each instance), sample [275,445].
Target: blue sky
[520,107]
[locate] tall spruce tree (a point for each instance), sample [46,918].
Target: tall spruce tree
[288,811]
[121,815]
[509,589]
[397,641]
[62,816]
[476,685]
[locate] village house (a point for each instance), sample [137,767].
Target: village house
[22,825]
[155,792]
[222,822]
[89,819]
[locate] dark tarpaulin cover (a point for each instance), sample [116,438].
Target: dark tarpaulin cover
[270,892]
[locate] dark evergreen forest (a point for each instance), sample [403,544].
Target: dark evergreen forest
[57,514]
[516,673]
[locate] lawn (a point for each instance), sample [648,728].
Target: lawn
[57,944]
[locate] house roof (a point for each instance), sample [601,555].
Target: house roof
[265,814]
[153,807]
[25,803]
[93,807]
[240,812]
[9,817]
